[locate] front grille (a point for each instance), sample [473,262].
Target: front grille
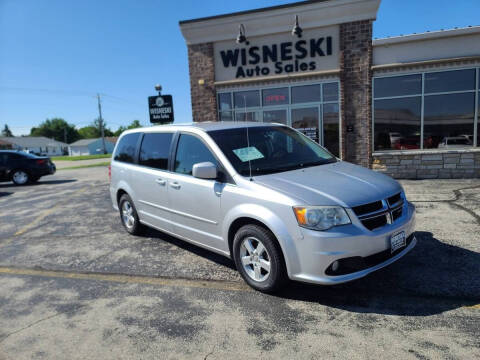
[375,222]
[392,200]
[368,208]
[396,213]
[379,213]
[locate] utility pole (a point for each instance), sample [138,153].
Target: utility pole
[100,120]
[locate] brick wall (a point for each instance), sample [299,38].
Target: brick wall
[429,164]
[356,89]
[201,65]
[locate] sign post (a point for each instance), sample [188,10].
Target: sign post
[160,108]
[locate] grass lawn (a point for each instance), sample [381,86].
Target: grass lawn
[81,157]
[106,163]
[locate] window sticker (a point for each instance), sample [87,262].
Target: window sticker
[248,153]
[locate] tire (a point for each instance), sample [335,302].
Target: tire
[20,177]
[129,216]
[252,265]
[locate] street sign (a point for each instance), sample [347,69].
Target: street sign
[161,109]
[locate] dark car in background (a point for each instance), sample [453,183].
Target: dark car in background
[23,168]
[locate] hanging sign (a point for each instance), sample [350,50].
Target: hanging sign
[161,109]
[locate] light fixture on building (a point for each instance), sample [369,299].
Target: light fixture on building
[241,38]
[297,30]
[201,81]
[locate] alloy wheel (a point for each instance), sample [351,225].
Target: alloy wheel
[127,215]
[255,259]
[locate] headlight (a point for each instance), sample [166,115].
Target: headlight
[321,217]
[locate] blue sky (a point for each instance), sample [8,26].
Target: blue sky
[55,55]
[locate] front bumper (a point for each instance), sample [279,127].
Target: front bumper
[317,250]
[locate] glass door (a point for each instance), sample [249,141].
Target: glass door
[307,120]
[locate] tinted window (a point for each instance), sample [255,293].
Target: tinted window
[155,150]
[397,123]
[330,92]
[14,156]
[247,99]
[126,148]
[447,116]
[446,81]
[331,128]
[3,159]
[190,151]
[275,96]
[398,85]
[224,101]
[307,93]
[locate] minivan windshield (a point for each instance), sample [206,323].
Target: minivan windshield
[269,149]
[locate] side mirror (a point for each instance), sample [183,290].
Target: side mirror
[205,170]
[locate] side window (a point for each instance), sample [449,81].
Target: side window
[126,148]
[155,150]
[191,150]
[3,159]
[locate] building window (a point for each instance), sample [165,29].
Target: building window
[247,99]
[310,108]
[272,97]
[434,110]
[305,94]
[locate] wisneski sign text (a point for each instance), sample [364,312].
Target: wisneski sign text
[286,57]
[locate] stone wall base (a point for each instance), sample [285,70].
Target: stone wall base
[449,164]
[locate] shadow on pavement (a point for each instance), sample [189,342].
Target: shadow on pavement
[38,183]
[209,255]
[434,277]
[5,193]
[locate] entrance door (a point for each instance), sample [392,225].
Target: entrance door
[307,120]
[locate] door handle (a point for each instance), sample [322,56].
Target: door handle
[160,181]
[175,185]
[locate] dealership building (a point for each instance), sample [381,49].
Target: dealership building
[407,106]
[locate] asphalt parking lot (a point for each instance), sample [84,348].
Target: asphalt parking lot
[74,284]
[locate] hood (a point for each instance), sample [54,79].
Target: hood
[339,183]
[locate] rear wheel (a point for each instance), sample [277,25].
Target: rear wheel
[259,259]
[20,177]
[129,216]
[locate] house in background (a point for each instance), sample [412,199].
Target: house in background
[91,146]
[37,144]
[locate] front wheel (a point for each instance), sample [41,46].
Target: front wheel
[129,216]
[20,177]
[259,259]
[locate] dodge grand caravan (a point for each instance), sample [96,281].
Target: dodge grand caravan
[280,205]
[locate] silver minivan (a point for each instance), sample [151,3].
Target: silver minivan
[277,203]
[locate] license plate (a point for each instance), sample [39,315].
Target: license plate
[397,241]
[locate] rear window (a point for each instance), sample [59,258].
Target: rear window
[126,148]
[155,150]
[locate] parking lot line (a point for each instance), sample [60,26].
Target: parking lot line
[134,279]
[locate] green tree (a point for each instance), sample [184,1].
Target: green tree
[133,125]
[106,130]
[56,128]
[6,131]
[89,132]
